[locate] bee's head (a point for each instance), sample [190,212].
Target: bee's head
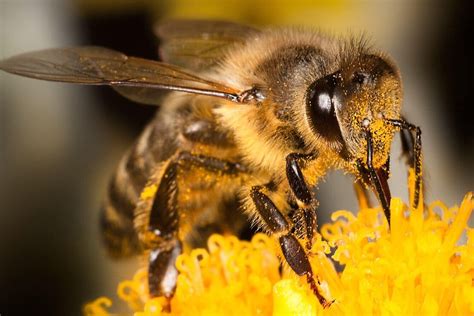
[353,108]
[345,106]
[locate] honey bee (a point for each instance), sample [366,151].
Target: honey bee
[254,120]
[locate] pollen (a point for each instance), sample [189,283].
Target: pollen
[382,134]
[423,264]
[149,192]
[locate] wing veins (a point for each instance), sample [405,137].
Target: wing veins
[100,66]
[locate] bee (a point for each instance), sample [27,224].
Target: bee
[254,120]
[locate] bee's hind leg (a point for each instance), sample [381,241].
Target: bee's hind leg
[159,229]
[166,246]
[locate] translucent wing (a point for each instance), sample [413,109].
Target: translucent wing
[136,78]
[199,45]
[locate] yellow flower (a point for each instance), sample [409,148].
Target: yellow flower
[423,264]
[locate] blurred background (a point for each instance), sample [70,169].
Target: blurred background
[60,143]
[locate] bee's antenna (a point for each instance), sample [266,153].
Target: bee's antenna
[415,158]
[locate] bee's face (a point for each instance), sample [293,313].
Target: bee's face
[344,105]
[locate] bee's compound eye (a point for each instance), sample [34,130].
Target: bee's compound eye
[324,102]
[320,106]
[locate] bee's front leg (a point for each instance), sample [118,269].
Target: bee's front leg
[305,200]
[294,254]
[411,150]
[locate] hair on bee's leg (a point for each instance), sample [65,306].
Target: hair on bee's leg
[211,164]
[293,252]
[304,223]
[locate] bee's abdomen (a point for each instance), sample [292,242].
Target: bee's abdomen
[120,240]
[117,218]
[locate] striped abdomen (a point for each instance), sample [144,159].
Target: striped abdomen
[156,143]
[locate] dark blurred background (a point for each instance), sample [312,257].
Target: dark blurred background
[60,143]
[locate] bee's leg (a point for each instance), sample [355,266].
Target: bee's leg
[408,145]
[164,225]
[305,200]
[210,164]
[411,150]
[294,254]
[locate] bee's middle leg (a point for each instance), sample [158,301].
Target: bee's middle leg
[307,204]
[294,254]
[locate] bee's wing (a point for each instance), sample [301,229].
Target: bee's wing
[136,78]
[198,44]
